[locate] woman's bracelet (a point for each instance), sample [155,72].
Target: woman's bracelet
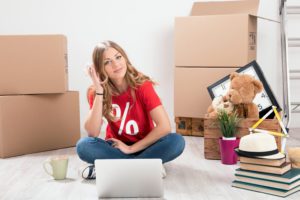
[99,93]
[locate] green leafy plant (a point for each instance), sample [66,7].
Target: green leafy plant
[228,123]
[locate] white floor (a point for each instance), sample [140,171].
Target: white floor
[188,177]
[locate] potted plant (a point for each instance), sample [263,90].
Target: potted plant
[228,123]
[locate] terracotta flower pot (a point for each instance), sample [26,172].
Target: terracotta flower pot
[227,146]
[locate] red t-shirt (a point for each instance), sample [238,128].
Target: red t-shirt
[135,121]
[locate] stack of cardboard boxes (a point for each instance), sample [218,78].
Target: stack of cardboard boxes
[37,112]
[217,39]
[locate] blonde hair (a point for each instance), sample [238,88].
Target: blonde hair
[133,77]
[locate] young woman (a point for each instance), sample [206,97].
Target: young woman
[138,125]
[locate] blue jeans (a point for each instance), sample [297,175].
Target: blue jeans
[166,148]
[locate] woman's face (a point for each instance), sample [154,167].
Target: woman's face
[114,64]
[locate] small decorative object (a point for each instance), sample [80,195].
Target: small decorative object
[264,100]
[228,125]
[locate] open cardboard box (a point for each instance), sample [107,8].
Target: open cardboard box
[218,34]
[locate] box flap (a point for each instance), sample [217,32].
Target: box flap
[227,7]
[265,18]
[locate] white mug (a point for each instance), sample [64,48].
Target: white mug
[59,166]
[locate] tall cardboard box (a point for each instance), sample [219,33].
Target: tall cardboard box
[191,98]
[33,64]
[217,34]
[35,123]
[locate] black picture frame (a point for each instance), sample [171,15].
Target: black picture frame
[262,78]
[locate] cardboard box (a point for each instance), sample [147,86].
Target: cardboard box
[217,34]
[191,98]
[212,133]
[33,64]
[35,123]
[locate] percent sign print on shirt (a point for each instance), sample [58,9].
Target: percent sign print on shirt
[129,124]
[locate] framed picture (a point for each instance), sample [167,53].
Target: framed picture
[264,100]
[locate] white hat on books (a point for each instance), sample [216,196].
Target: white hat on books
[259,145]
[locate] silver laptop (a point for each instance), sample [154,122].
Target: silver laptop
[129,178]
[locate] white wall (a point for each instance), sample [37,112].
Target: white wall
[144,28]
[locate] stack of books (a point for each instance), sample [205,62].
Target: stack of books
[274,177]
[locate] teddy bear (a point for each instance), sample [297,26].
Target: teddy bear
[242,91]
[239,98]
[218,103]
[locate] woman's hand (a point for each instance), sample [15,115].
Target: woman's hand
[121,145]
[95,78]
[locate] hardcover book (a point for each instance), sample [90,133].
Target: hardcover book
[268,183]
[289,177]
[267,169]
[264,189]
[260,161]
